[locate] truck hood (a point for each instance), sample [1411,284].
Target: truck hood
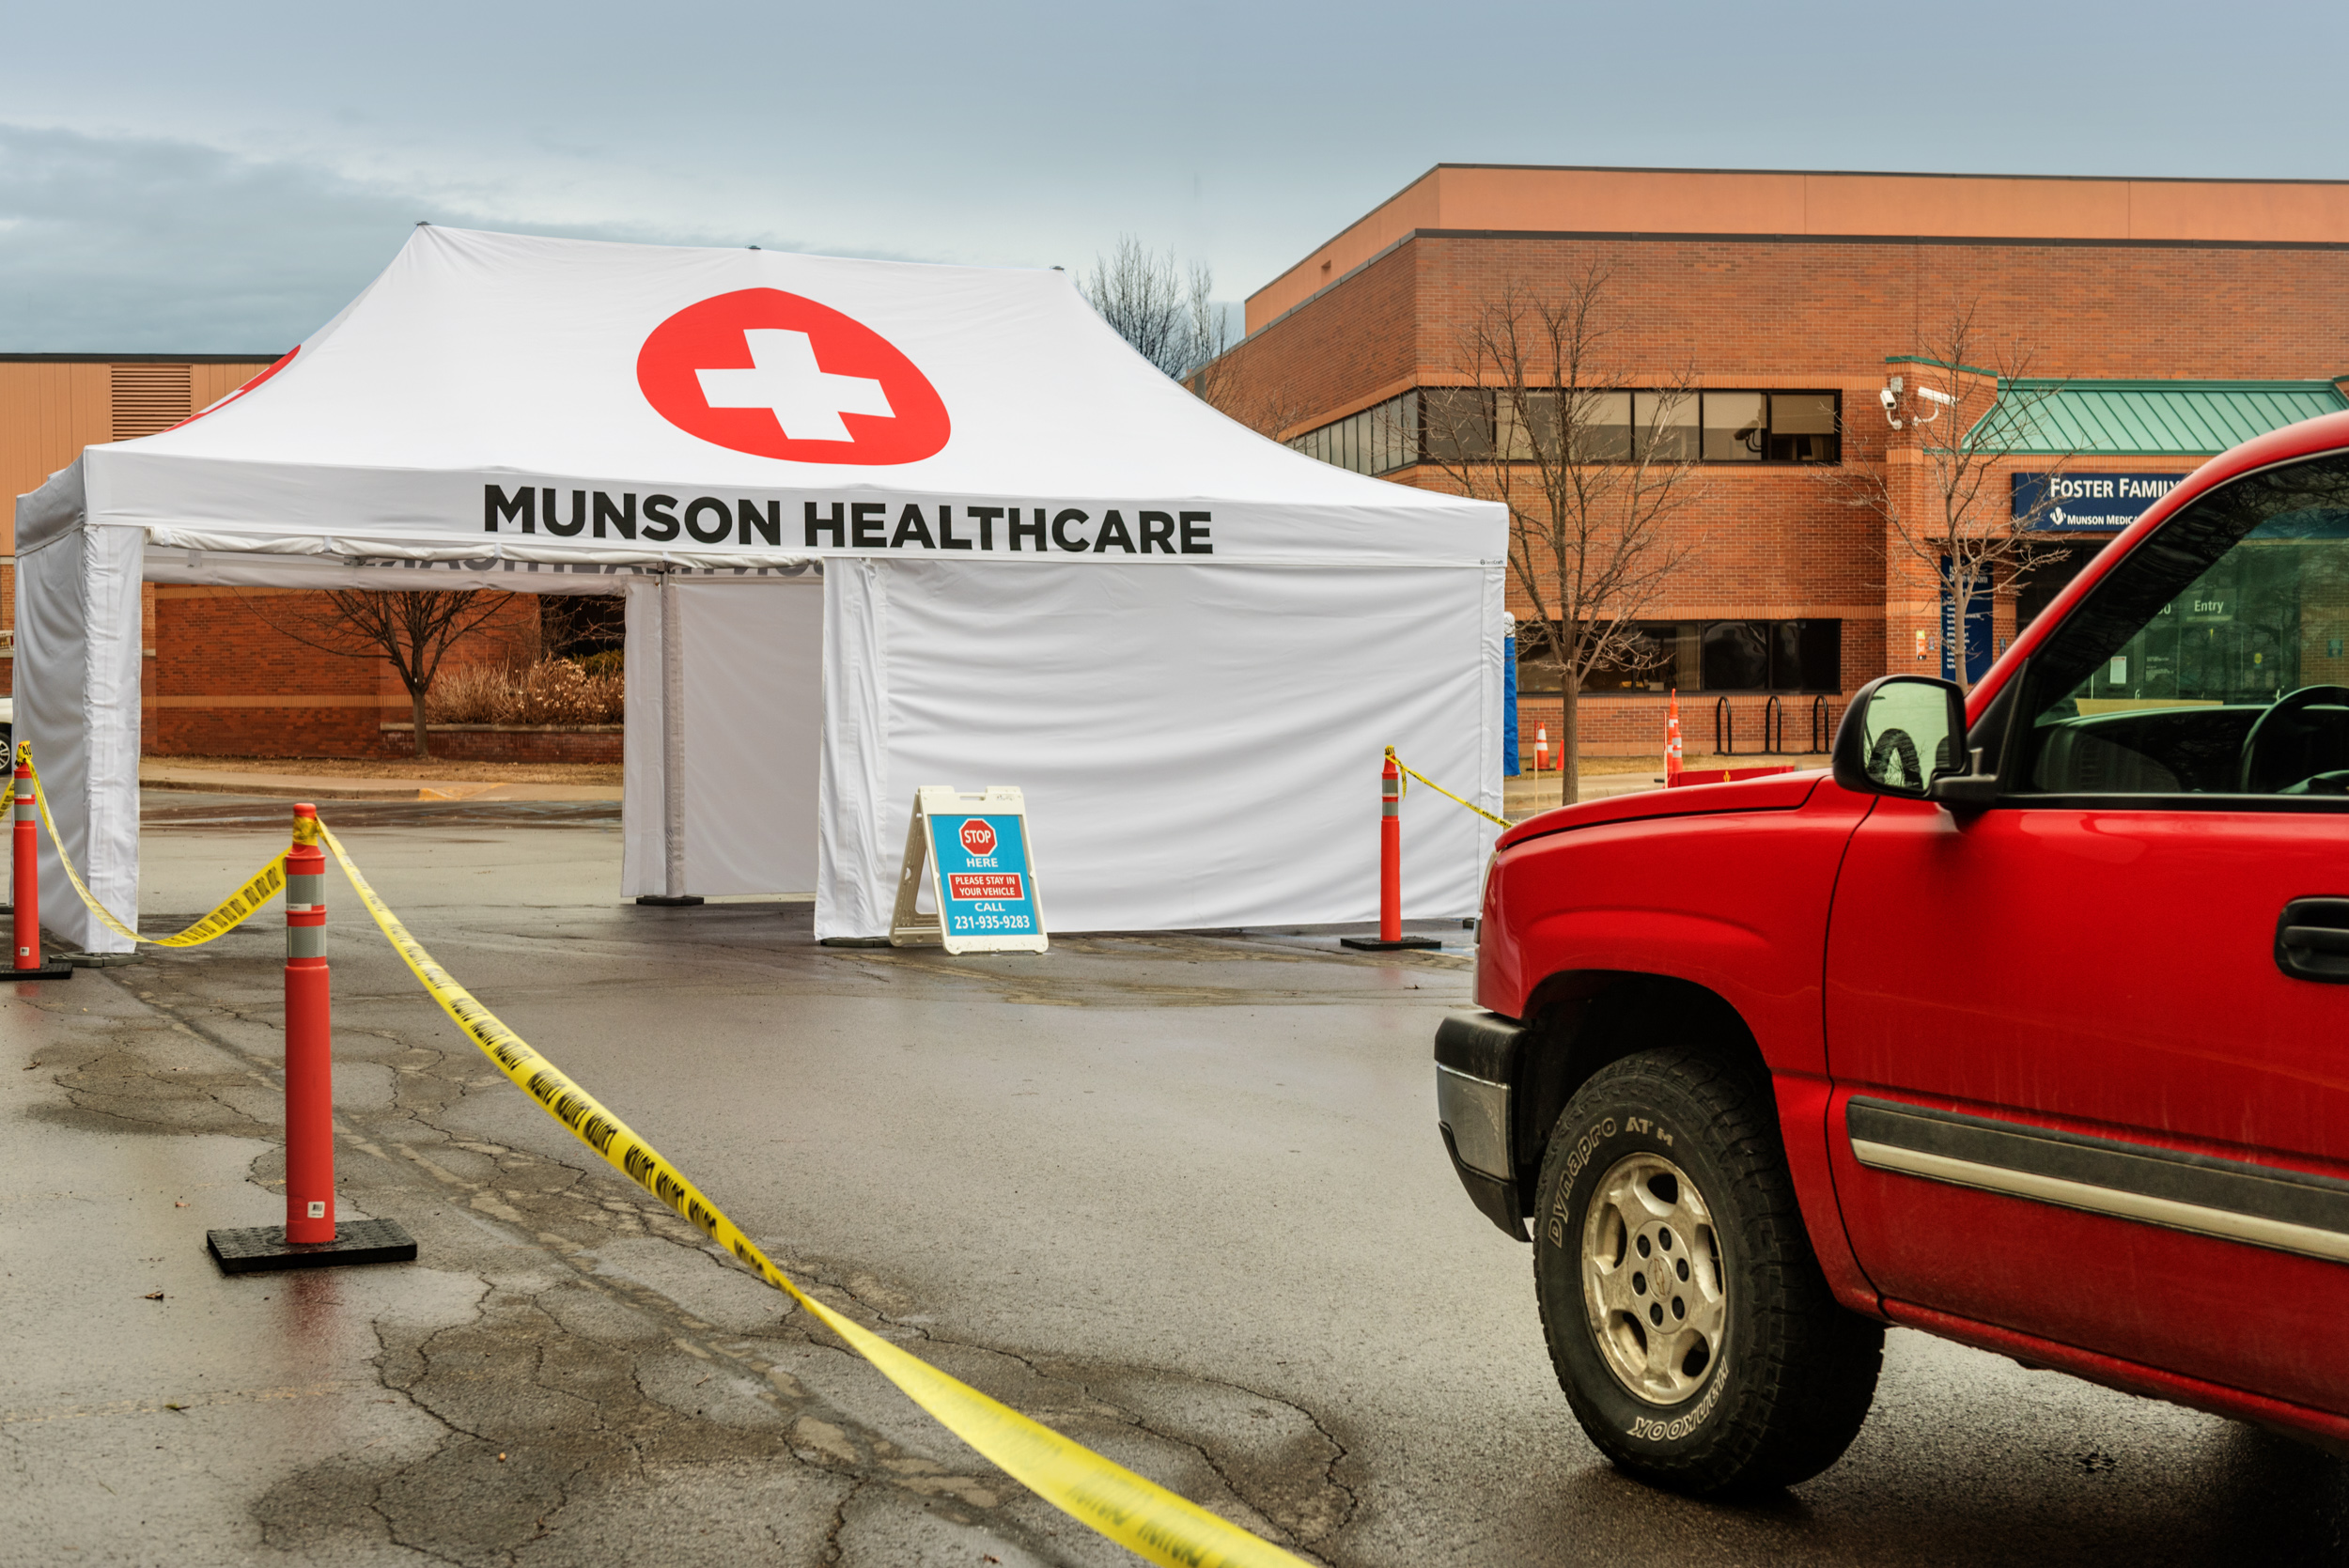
[1780,792]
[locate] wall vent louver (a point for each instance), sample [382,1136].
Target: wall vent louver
[149,397]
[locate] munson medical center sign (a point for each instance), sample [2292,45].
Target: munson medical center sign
[2058,502]
[845,525]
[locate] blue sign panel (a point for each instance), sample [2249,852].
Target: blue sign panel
[985,887]
[2067,502]
[1509,764]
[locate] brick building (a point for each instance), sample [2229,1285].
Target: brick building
[222,680]
[2163,320]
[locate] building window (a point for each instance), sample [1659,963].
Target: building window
[1664,426]
[1702,655]
[1737,427]
[1471,424]
[1805,427]
[1381,438]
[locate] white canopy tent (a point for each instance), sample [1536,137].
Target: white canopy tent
[879,525]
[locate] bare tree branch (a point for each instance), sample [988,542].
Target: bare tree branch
[1970,422]
[1593,471]
[1165,314]
[414,628]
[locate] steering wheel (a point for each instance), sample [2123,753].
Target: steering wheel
[1894,744]
[2248,779]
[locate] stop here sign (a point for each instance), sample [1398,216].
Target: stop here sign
[968,853]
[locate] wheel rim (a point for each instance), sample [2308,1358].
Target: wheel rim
[1652,1279]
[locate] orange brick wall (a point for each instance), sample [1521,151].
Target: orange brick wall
[1772,542]
[225,681]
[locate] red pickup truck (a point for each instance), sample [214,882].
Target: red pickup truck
[2023,1025]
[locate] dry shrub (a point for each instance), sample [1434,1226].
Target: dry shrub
[552,691]
[468,695]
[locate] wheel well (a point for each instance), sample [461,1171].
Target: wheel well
[1584,1019]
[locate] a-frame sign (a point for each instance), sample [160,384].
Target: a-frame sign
[969,853]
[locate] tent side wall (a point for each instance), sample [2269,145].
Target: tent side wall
[76,682]
[724,721]
[1190,758]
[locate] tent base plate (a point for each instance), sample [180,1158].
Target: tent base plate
[264,1248]
[1372,944]
[46,971]
[669,900]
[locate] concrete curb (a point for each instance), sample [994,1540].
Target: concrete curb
[282,787]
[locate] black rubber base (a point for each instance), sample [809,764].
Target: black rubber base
[47,972]
[264,1248]
[665,901]
[1372,944]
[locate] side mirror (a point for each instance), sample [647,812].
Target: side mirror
[1901,733]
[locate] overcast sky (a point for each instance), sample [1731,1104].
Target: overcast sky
[223,178]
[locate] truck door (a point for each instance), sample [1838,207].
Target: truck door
[2092,1043]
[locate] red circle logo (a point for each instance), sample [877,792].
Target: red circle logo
[777,376]
[978,836]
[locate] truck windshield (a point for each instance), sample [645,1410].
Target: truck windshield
[2212,660]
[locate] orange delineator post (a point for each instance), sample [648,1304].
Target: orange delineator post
[1671,741]
[1390,853]
[26,891]
[1390,869]
[311,1236]
[309,1041]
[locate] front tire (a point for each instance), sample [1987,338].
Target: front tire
[1686,1317]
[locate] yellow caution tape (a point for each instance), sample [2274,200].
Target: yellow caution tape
[1137,1514]
[226,916]
[1441,790]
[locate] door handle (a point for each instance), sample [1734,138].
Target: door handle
[2312,940]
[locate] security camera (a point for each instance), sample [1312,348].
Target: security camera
[1934,395]
[1888,397]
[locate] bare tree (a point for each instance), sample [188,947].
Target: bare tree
[1955,531]
[414,628]
[1265,406]
[1159,308]
[1593,470]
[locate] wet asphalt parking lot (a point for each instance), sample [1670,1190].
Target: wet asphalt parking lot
[1179,1197]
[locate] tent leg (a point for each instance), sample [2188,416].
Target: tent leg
[672,760]
[673,894]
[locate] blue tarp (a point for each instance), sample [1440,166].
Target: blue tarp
[1509,706]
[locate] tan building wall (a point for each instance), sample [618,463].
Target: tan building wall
[1801,283]
[219,678]
[53,404]
[1500,199]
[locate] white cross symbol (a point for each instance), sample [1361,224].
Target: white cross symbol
[806,399]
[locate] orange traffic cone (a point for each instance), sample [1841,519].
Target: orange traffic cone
[1672,741]
[1541,748]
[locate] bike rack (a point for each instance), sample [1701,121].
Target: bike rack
[1724,729]
[1773,727]
[1822,727]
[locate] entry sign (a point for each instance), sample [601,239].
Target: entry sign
[970,854]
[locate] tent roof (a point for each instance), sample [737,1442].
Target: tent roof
[565,366]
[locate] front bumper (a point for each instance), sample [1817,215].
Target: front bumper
[1476,1057]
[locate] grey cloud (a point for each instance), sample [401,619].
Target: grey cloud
[148,245]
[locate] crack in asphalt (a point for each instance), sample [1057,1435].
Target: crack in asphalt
[471,1378]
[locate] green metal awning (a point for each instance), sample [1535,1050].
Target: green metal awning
[2192,419]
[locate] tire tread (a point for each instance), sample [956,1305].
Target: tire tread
[1809,1367]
